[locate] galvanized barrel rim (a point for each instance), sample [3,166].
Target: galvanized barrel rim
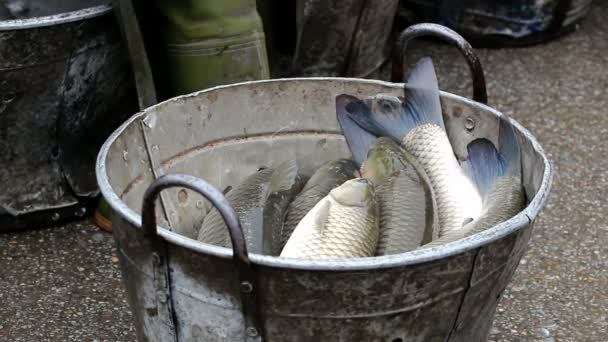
[55,19]
[415,257]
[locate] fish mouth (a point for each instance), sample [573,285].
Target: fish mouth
[352,104]
[343,100]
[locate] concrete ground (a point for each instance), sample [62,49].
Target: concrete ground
[64,284]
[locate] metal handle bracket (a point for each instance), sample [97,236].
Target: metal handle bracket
[247,283]
[479,82]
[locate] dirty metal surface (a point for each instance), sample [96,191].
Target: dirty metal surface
[342,38]
[64,86]
[405,295]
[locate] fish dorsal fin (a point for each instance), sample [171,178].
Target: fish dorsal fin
[254,234]
[358,139]
[321,216]
[283,177]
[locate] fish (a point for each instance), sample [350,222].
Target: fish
[330,175]
[257,201]
[344,224]
[416,122]
[408,215]
[497,174]
[358,140]
[405,198]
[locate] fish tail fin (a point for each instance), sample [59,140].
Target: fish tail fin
[395,118]
[422,94]
[485,163]
[283,177]
[358,139]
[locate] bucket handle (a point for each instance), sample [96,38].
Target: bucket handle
[427,29]
[247,286]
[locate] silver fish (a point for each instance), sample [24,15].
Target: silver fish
[344,224]
[405,198]
[326,178]
[497,174]
[257,201]
[417,123]
[408,213]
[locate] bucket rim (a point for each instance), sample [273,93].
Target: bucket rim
[55,19]
[522,219]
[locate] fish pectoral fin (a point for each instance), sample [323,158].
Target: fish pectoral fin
[321,216]
[283,177]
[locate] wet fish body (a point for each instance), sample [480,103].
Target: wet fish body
[258,200]
[405,198]
[417,123]
[497,175]
[344,224]
[407,215]
[504,201]
[326,178]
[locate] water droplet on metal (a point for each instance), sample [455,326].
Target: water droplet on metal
[55,217]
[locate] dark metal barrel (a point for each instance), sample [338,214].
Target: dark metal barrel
[65,85]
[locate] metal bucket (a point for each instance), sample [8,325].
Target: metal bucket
[65,85]
[180,289]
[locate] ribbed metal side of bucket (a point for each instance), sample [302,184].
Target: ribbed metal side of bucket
[225,133]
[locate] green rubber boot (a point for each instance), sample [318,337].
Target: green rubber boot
[211,42]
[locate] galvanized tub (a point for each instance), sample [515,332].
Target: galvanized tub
[65,85]
[182,290]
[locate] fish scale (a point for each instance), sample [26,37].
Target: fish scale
[214,230]
[337,243]
[502,202]
[403,213]
[457,197]
[300,206]
[327,177]
[344,224]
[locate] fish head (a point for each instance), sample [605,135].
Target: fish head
[357,192]
[383,159]
[386,104]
